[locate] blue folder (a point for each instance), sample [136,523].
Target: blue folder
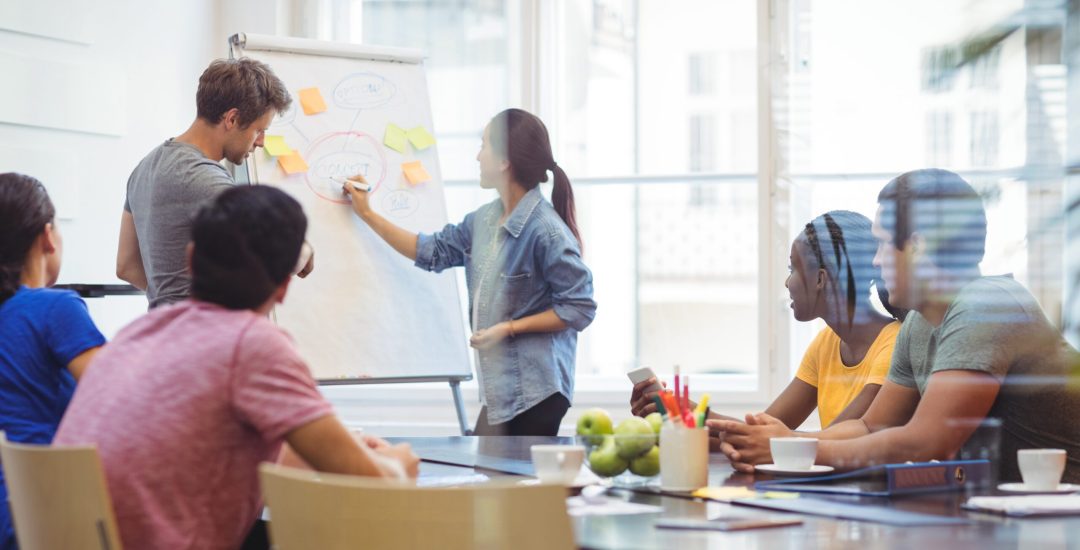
[891,479]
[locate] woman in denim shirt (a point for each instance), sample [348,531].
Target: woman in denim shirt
[529,291]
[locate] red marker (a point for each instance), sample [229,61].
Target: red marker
[677,394]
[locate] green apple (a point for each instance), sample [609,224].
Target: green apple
[594,424]
[648,464]
[604,460]
[656,420]
[634,436]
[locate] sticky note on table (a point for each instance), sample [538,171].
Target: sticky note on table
[723,493]
[312,101]
[415,173]
[275,145]
[292,163]
[420,138]
[395,138]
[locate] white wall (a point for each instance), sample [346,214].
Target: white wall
[143,60]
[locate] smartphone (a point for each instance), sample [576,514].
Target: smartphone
[727,524]
[642,374]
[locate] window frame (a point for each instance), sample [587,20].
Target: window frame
[536,65]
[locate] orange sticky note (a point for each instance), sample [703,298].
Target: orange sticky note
[415,173]
[311,100]
[292,163]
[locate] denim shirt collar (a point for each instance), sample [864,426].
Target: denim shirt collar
[525,207]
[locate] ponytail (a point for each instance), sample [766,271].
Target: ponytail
[25,210]
[521,138]
[562,198]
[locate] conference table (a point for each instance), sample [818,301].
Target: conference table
[495,456]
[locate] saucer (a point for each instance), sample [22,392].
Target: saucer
[1021,488]
[585,477]
[815,470]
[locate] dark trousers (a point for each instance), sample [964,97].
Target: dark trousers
[542,419]
[258,538]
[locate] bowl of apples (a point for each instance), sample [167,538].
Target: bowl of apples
[628,453]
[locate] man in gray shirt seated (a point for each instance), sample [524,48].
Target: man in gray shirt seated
[972,347]
[236,101]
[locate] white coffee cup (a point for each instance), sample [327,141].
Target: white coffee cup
[557,463]
[1041,468]
[793,453]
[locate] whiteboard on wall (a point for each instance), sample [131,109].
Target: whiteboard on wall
[365,312]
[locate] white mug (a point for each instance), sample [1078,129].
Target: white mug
[1041,468]
[557,463]
[793,453]
[684,457]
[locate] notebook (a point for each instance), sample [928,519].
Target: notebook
[1026,505]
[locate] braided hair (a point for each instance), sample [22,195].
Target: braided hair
[25,210]
[846,236]
[522,138]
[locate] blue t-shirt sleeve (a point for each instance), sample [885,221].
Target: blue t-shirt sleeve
[69,331]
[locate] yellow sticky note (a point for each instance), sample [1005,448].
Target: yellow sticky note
[292,163]
[415,173]
[420,138]
[275,145]
[311,100]
[723,493]
[395,138]
[779,494]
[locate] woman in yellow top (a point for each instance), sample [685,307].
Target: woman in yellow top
[831,275]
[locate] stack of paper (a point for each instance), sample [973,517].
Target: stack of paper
[1028,505]
[451,481]
[604,506]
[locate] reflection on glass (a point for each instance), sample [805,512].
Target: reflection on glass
[466,44]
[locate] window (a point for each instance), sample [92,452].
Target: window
[658,125]
[984,70]
[939,133]
[468,66]
[702,143]
[702,73]
[654,113]
[984,139]
[880,99]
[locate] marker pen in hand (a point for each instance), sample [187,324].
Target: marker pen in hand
[359,186]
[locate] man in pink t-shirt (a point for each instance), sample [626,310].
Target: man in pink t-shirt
[186,402]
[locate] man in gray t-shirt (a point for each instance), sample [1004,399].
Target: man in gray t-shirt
[236,101]
[971,347]
[995,326]
[166,190]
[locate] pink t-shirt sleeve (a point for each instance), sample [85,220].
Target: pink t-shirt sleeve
[272,387]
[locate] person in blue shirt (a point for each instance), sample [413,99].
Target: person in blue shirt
[46,336]
[530,293]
